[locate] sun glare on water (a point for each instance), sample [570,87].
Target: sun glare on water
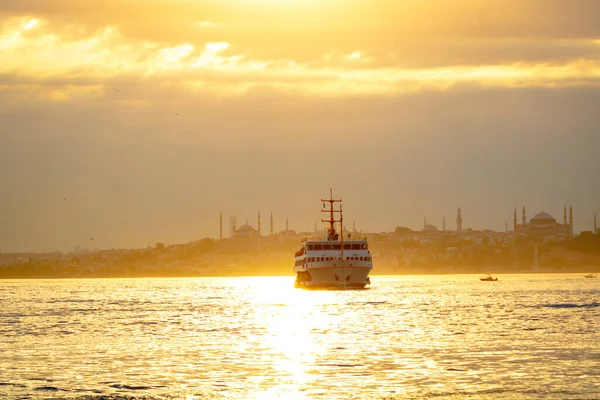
[290,318]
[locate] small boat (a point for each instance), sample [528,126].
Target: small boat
[590,276]
[488,278]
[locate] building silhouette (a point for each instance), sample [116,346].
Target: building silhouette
[247,231]
[544,225]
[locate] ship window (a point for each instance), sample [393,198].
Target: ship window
[309,247]
[336,247]
[356,247]
[347,247]
[364,246]
[362,259]
[326,247]
[318,247]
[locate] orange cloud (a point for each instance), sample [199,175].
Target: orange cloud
[30,49]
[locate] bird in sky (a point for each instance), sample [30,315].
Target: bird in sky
[116,90]
[92,238]
[176,113]
[64,198]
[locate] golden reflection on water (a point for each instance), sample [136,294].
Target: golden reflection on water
[259,338]
[290,317]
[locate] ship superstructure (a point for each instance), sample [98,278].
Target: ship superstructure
[333,261]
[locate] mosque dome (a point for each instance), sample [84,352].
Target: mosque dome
[543,217]
[431,228]
[246,229]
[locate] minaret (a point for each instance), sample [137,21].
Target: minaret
[259,223]
[515,220]
[271,223]
[424,222]
[595,228]
[232,223]
[570,220]
[523,218]
[353,226]
[444,224]
[506,227]
[286,224]
[221,225]
[459,220]
[565,226]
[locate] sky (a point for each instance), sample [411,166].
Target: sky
[139,121]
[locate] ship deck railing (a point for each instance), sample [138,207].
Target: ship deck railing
[323,239]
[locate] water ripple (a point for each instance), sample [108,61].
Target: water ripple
[259,338]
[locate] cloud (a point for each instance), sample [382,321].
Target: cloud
[499,18]
[415,30]
[36,54]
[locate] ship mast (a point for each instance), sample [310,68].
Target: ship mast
[331,233]
[341,232]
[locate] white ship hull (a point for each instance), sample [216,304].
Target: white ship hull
[345,274]
[332,262]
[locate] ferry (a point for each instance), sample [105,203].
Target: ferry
[333,262]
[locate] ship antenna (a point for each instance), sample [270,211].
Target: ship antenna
[341,232]
[331,220]
[332,235]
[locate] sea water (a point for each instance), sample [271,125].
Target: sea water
[450,336]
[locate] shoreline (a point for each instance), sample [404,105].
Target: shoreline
[496,274]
